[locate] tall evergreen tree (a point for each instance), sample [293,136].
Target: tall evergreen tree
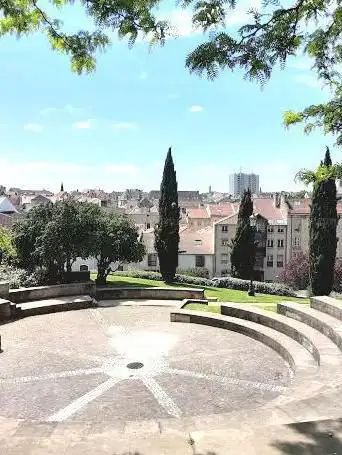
[323,240]
[243,248]
[167,229]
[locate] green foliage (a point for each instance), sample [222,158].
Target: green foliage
[243,248]
[270,36]
[200,272]
[7,247]
[323,241]
[323,224]
[260,287]
[115,240]
[49,238]
[167,229]
[227,282]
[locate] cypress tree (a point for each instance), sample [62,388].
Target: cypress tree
[167,229]
[243,248]
[323,240]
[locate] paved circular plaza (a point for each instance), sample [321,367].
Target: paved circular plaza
[130,363]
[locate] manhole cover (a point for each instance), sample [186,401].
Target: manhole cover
[134,365]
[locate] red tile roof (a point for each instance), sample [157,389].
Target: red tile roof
[266,208]
[222,210]
[198,213]
[302,207]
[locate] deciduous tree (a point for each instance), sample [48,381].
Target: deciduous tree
[116,241]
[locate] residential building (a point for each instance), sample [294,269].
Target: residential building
[196,249]
[270,236]
[240,182]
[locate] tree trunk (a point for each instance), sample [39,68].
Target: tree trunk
[102,272]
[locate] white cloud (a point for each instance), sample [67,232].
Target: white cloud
[45,174]
[143,75]
[309,81]
[196,108]
[86,124]
[124,126]
[181,20]
[34,127]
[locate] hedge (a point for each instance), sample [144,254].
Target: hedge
[226,282]
[259,286]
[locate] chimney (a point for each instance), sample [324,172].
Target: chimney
[276,201]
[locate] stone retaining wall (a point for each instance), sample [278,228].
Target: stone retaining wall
[108,293]
[49,292]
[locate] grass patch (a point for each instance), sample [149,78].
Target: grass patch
[222,294]
[212,308]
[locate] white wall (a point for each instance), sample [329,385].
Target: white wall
[185,261]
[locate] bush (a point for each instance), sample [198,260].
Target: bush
[199,272]
[296,272]
[227,282]
[20,278]
[156,276]
[338,276]
[260,287]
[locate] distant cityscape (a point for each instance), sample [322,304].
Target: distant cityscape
[207,224]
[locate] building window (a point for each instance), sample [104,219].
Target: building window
[225,228]
[152,260]
[280,243]
[224,258]
[270,243]
[270,229]
[84,268]
[296,242]
[270,261]
[280,229]
[148,225]
[225,242]
[280,260]
[200,261]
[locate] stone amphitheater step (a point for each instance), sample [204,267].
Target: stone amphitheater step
[324,323]
[297,357]
[76,302]
[323,350]
[327,305]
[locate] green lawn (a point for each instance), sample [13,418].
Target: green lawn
[223,295]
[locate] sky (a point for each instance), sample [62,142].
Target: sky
[112,129]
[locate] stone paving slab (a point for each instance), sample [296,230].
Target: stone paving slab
[186,372]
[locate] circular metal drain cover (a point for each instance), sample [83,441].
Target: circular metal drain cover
[134,365]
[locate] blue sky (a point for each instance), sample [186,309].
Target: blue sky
[112,129]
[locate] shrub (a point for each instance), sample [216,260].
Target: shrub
[227,282]
[260,287]
[199,272]
[20,278]
[338,276]
[296,272]
[156,276]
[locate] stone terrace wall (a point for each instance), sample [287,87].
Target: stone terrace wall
[49,292]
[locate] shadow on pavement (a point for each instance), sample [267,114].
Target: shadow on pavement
[314,438]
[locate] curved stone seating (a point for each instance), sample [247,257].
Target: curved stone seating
[318,344]
[327,305]
[158,293]
[324,323]
[296,356]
